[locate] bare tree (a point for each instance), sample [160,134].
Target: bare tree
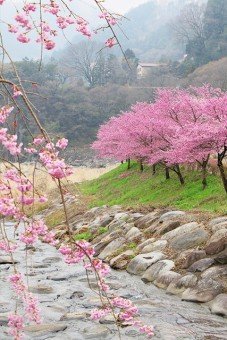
[83,59]
[189,24]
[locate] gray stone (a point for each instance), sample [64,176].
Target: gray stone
[133,233]
[40,330]
[182,230]
[179,285]
[219,226]
[201,265]
[112,247]
[192,257]
[3,319]
[141,262]
[105,240]
[222,257]
[216,246]
[168,226]
[219,305]
[214,272]
[96,332]
[158,245]
[171,214]
[145,243]
[193,239]
[75,316]
[121,261]
[7,260]
[218,235]
[204,291]
[165,279]
[217,220]
[41,289]
[147,220]
[157,269]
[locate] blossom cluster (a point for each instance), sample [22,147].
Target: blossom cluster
[28,19]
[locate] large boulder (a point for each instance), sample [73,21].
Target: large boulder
[216,247]
[171,214]
[166,278]
[141,262]
[204,291]
[157,245]
[154,271]
[201,265]
[112,248]
[145,221]
[193,256]
[178,286]
[219,305]
[186,236]
[121,261]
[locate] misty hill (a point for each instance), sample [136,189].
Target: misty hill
[149,30]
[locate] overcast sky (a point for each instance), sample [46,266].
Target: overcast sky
[85,8]
[122,6]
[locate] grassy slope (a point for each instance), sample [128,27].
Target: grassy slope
[133,188]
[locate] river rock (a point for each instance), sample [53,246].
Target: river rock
[222,257]
[165,279]
[219,305]
[178,286]
[204,291]
[217,220]
[105,240]
[146,221]
[96,332]
[100,221]
[201,265]
[3,319]
[190,240]
[158,245]
[182,230]
[112,247]
[156,270]
[218,235]
[121,217]
[192,257]
[145,243]
[7,260]
[41,289]
[141,262]
[215,272]
[219,226]
[170,214]
[132,234]
[75,316]
[40,330]
[168,226]
[121,261]
[216,246]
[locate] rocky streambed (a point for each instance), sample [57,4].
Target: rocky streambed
[172,264]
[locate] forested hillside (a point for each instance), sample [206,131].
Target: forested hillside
[86,85]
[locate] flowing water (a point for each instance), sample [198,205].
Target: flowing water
[63,289]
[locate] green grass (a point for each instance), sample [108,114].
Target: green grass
[135,188]
[83,236]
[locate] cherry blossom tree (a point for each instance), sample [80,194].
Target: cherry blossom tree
[31,22]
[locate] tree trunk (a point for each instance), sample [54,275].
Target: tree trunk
[167,172]
[221,168]
[179,174]
[153,169]
[141,165]
[122,162]
[129,163]
[204,172]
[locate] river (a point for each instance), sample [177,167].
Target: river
[66,300]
